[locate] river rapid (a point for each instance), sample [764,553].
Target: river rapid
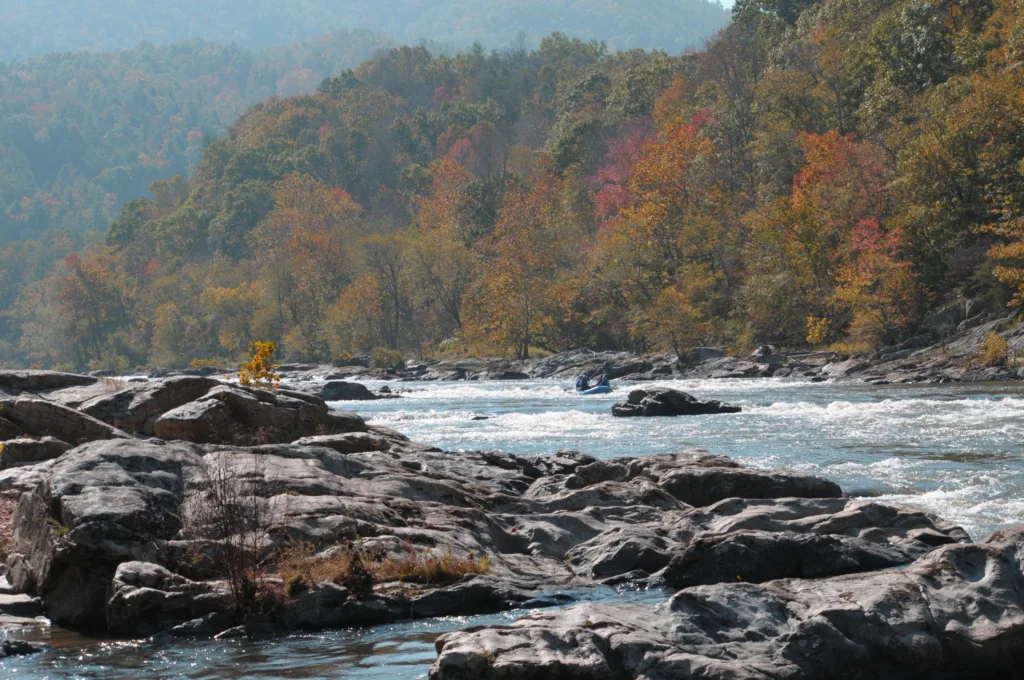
[955,450]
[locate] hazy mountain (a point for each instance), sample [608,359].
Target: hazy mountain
[34,27]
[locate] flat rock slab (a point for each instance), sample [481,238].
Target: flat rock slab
[38,381]
[958,612]
[41,418]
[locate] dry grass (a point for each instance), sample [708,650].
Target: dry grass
[352,567]
[849,348]
[7,505]
[113,385]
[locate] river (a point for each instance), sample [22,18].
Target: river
[955,450]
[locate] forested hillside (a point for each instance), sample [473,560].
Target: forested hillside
[811,178]
[35,27]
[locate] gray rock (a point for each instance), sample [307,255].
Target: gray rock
[231,414]
[21,605]
[846,368]
[38,381]
[758,556]
[354,442]
[30,451]
[137,408]
[19,648]
[340,390]
[210,625]
[958,612]
[147,599]
[9,430]
[700,354]
[321,606]
[663,401]
[99,505]
[41,418]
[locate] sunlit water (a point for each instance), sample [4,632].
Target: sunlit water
[956,450]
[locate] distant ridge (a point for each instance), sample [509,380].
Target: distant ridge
[35,27]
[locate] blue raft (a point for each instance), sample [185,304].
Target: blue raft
[600,389]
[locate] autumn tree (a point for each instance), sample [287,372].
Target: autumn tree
[304,258]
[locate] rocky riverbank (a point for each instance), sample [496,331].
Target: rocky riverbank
[187,507]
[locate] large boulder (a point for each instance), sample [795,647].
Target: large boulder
[101,504]
[137,408]
[232,414]
[958,612]
[41,418]
[663,401]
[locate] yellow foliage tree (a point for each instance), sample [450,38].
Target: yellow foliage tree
[259,369]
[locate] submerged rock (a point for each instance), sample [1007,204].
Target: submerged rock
[662,401]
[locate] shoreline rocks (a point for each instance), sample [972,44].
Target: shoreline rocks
[957,612]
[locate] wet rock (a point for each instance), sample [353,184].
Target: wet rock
[41,418]
[205,626]
[21,605]
[957,612]
[30,451]
[668,402]
[339,390]
[19,648]
[480,595]
[320,606]
[147,599]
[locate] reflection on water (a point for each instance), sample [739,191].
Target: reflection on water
[402,651]
[955,450]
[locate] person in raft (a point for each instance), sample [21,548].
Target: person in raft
[583,383]
[602,381]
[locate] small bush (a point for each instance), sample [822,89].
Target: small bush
[994,351]
[231,513]
[259,368]
[386,359]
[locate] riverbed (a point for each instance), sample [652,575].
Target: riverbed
[955,450]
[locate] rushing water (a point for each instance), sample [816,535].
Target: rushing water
[956,450]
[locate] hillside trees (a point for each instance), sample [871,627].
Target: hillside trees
[787,185]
